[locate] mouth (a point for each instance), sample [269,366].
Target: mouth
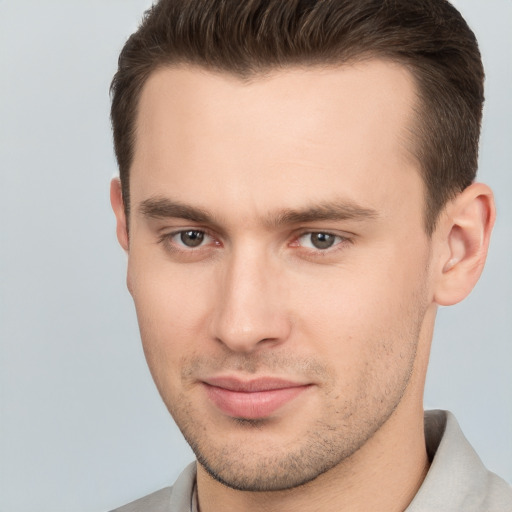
[251,399]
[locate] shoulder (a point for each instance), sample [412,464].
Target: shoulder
[499,494]
[177,498]
[155,502]
[457,479]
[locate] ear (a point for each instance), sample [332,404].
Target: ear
[462,239]
[116,200]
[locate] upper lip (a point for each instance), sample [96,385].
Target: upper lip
[252,385]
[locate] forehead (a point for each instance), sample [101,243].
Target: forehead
[294,134]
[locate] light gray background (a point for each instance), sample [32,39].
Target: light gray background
[82,427]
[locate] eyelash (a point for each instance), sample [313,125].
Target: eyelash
[167,240]
[338,240]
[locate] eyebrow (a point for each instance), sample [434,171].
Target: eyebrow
[333,210]
[161,208]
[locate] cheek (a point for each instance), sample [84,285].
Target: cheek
[365,315]
[171,311]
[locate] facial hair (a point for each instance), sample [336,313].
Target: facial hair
[273,465]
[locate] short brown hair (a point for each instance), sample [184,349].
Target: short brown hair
[248,37]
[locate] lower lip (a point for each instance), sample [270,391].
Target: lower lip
[251,405]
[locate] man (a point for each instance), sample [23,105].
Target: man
[296,198]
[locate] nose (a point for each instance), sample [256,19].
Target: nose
[251,309]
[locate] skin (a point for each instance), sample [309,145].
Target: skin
[260,168]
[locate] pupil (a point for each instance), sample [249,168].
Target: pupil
[192,238]
[322,240]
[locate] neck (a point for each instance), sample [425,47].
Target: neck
[383,475]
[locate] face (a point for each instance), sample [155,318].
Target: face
[279,264]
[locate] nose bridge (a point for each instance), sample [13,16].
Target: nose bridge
[250,308]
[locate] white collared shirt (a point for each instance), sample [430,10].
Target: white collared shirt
[457,480]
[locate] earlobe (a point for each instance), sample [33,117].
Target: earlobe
[465,234]
[116,200]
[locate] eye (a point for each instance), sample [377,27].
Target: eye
[319,240]
[190,238]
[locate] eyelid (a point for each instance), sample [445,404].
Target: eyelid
[333,232]
[344,239]
[167,238]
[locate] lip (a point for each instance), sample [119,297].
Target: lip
[251,399]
